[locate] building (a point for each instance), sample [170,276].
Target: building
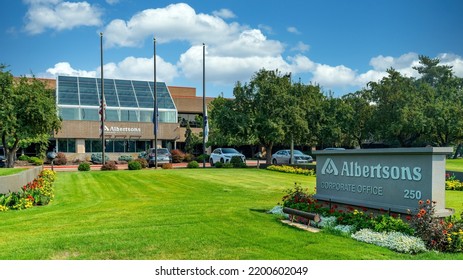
[129,127]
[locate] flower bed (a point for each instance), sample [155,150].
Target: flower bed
[291,169]
[415,233]
[37,192]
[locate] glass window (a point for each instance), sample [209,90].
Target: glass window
[119,146]
[112,115]
[67,145]
[90,114]
[67,90]
[109,92]
[129,116]
[88,92]
[146,116]
[71,114]
[144,94]
[125,93]
[167,117]
[131,146]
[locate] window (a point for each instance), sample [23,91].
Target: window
[67,145]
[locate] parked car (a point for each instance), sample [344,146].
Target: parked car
[225,155]
[163,156]
[283,157]
[2,157]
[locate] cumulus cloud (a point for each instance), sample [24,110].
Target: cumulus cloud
[224,13]
[134,68]
[59,15]
[174,22]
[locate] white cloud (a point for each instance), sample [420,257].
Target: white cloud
[65,69]
[59,15]
[224,13]
[174,22]
[333,76]
[301,47]
[293,29]
[135,68]
[453,60]
[112,2]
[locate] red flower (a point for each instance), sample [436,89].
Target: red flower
[420,202]
[428,201]
[408,218]
[340,211]
[364,209]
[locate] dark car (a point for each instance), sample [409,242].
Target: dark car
[2,157]
[163,156]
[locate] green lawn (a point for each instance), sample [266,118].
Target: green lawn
[10,171]
[176,214]
[454,164]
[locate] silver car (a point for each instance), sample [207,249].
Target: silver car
[225,155]
[163,156]
[283,157]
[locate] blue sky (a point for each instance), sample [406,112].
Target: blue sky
[341,45]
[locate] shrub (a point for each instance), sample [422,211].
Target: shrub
[36,161]
[177,156]
[237,162]
[98,158]
[23,157]
[84,166]
[143,162]
[167,166]
[227,165]
[134,165]
[126,158]
[189,157]
[60,159]
[218,164]
[109,165]
[202,158]
[193,164]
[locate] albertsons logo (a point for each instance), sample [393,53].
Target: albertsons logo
[329,167]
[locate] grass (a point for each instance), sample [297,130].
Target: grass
[10,171]
[454,164]
[175,214]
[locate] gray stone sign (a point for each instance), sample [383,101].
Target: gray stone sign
[390,179]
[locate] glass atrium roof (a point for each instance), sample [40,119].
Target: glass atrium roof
[118,93]
[78,98]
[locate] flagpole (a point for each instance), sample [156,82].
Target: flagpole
[155,113]
[103,144]
[204,105]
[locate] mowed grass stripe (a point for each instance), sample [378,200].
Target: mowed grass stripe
[173,214]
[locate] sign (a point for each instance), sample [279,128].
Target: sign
[117,129]
[389,179]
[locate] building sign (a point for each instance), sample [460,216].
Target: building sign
[122,130]
[389,179]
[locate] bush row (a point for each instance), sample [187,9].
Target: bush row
[291,169]
[37,192]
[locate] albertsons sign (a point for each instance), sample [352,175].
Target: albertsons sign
[389,179]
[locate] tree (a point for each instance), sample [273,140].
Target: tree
[444,107]
[357,114]
[399,117]
[191,139]
[28,110]
[258,113]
